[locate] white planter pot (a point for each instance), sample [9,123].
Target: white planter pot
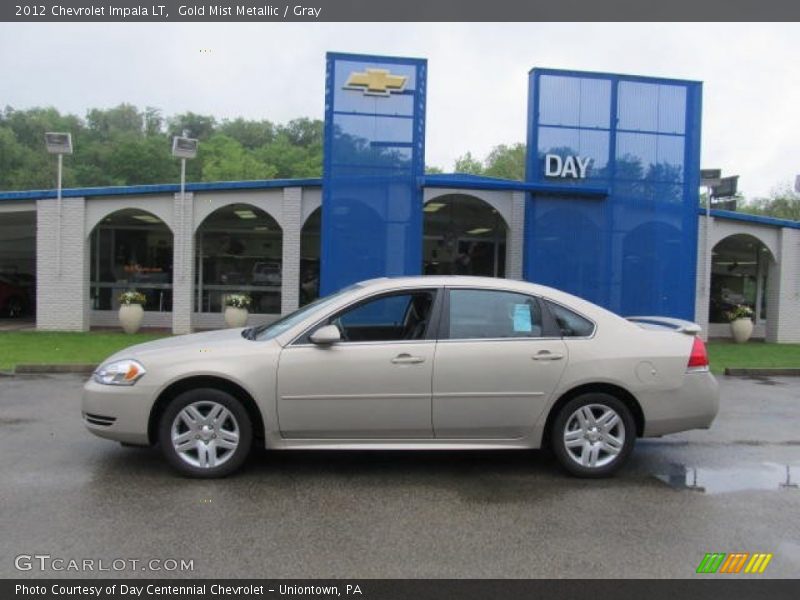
[235,317]
[130,317]
[741,329]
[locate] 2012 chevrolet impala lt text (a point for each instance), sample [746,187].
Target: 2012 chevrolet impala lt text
[412,363]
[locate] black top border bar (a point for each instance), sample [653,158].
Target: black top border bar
[398,10]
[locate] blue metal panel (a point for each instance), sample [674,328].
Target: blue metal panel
[635,251]
[374,159]
[478,182]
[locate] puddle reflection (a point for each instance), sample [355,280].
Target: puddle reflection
[763,476]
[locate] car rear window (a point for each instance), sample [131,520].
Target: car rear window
[570,323]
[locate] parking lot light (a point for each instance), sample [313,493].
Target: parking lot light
[184,148]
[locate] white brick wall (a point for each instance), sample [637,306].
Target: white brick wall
[292,225]
[63,284]
[183,264]
[62,274]
[516,235]
[783,279]
[703,281]
[783,293]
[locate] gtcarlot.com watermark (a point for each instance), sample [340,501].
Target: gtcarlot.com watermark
[47,562]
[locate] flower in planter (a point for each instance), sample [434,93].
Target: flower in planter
[740,311]
[238,300]
[132,297]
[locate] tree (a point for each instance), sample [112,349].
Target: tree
[124,119]
[506,162]
[250,134]
[304,132]
[141,160]
[782,203]
[290,160]
[468,164]
[196,126]
[153,121]
[225,159]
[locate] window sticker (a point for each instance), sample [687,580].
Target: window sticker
[522,318]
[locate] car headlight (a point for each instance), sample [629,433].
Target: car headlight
[119,372]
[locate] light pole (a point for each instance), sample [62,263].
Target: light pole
[59,144]
[183,148]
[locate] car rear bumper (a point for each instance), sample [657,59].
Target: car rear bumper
[117,412]
[693,405]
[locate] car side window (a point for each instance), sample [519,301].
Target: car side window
[476,314]
[569,323]
[388,318]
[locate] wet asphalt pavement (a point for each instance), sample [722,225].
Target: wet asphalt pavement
[66,493]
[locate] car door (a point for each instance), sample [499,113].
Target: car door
[373,384]
[495,366]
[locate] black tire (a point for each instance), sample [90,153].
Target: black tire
[599,439]
[233,459]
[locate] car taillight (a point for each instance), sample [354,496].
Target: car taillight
[698,359]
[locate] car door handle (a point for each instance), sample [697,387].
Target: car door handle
[407,359]
[546,355]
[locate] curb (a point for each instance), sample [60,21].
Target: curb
[736,372]
[82,369]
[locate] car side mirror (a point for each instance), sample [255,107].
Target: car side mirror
[328,334]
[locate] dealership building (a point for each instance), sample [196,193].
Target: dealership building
[609,210]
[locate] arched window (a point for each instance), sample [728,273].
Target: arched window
[239,250]
[463,235]
[309,257]
[739,271]
[131,249]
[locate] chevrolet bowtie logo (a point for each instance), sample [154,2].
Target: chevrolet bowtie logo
[376,82]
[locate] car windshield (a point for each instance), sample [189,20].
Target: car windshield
[274,329]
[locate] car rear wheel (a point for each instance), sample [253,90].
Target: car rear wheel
[205,433]
[593,435]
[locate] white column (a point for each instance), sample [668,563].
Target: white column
[783,291]
[292,225]
[515,242]
[183,264]
[703,283]
[62,266]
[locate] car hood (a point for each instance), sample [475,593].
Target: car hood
[222,339]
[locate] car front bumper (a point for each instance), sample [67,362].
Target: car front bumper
[118,413]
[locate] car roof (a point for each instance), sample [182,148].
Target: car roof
[454,281]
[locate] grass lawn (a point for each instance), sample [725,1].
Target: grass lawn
[752,355]
[32,347]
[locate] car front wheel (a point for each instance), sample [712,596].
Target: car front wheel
[205,433]
[593,435]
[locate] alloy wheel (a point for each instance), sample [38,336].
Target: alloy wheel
[594,435]
[205,434]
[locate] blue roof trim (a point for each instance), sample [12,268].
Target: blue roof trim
[758,219]
[450,180]
[161,188]
[479,182]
